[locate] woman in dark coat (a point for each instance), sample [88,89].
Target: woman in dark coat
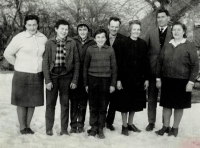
[133,78]
[176,72]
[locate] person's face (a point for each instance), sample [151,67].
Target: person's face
[135,31]
[162,19]
[62,31]
[100,39]
[178,32]
[113,27]
[83,31]
[31,26]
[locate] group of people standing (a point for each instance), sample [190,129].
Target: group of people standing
[107,70]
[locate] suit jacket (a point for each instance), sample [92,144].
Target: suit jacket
[153,44]
[118,46]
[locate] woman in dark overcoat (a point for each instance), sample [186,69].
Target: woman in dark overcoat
[133,78]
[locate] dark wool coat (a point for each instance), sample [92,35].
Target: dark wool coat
[133,71]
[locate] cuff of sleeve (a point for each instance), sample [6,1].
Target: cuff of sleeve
[191,82]
[158,79]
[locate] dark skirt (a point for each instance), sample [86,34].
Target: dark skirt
[173,93]
[131,98]
[27,89]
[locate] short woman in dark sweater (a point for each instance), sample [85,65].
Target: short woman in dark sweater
[133,75]
[100,75]
[176,72]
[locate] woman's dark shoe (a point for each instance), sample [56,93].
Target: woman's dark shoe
[150,127]
[173,131]
[133,128]
[23,132]
[29,131]
[125,130]
[163,130]
[49,132]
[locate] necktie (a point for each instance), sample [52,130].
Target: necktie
[161,30]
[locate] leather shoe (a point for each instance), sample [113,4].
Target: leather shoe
[64,133]
[81,130]
[101,134]
[23,132]
[173,131]
[73,130]
[125,131]
[29,131]
[163,130]
[91,132]
[150,127]
[133,128]
[110,126]
[49,132]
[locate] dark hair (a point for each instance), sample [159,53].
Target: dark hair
[162,10]
[134,22]
[83,25]
[114,19]
[61,22]
[31,17]
[183,27]
[99,31]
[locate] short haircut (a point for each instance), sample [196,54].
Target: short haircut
[61,22]
[31,17]
[83,25]
[162,10]
[115,19]
[134,22]
[99,31]
[183,27]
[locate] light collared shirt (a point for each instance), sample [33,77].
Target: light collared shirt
[172,41]
[162,28]
[25,52]
[112,39]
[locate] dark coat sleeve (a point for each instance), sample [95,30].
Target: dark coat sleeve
[86,66]
[113,68]
[194,62]
[46,63]
[76,64]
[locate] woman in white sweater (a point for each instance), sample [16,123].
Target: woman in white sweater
[25,52]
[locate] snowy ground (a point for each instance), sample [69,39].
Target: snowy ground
[189,131]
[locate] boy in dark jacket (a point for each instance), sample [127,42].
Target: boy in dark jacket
[61,71]
[99,74]
[79,96]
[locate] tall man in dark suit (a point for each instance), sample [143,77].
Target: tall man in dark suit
[116,40]
[156,38]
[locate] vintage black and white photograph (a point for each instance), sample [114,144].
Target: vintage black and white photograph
[100,73]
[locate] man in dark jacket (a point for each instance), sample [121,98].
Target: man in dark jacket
[156,38]
[116,40]
[79,96]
